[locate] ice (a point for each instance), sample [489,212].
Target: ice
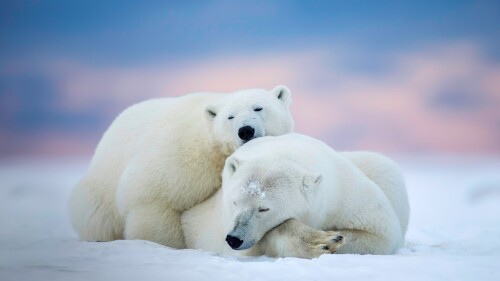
[453,234]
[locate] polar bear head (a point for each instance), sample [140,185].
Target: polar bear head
[258,197]
[249,114]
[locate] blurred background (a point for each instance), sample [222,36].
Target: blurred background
[400,77]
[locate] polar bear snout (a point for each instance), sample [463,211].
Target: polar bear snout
[246,133]
[233,241]
[243,235]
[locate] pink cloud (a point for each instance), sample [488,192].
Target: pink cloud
[390,111]
[82,84]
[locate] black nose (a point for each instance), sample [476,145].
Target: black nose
[246,133]
[234,242]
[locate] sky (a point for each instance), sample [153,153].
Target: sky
[398,77]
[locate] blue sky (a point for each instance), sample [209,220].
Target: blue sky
[128,32]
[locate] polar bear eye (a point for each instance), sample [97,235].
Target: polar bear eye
[261,210]
[230,117]
[258,109]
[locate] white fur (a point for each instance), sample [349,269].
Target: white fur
[361,195]
[163,156]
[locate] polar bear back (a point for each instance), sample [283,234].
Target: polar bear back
[133,125]
[387,176]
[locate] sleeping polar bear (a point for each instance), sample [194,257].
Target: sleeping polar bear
[292,195]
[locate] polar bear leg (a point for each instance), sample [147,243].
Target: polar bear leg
[363,242]
[157,223]
[94,218]
[295,239]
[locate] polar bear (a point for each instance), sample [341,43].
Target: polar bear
[163,156]
[292,195]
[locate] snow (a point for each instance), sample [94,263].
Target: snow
[453,234]
[253,188]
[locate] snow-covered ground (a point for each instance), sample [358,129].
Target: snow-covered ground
[454,233]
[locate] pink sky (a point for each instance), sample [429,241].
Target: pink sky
[396,110]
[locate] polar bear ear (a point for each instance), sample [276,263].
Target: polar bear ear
[232,163]
[211,111]
[283,94]
[311,180]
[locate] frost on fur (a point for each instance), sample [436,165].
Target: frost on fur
[253,188]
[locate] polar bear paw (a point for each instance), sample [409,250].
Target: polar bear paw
[323,242]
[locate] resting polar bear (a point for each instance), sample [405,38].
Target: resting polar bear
[279,194]
[163,156]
